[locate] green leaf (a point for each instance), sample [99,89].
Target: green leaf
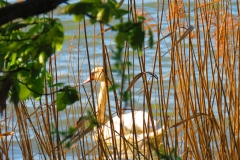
[42,58]
[136,37]
[23,74]
[121,37]
[37,85]
[71,130]
[150,40]
[71,94]
[35,70]
[15,26]
[126,96]
[104,14]
[36,29]
[5,85]
[93,21]
[48,78]
[82,7]
[57,85]
[119,13]
[3,3]
[61,104]
[141,18]
[67,96]
[78,17]
[123,27]
[24,92]
[58,35]
[68,144]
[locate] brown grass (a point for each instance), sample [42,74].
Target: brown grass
[197,99]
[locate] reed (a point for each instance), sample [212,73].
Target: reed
[195,93]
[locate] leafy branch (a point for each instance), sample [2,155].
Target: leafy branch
[98,11]
[23,60]
[40,94]
[23,55]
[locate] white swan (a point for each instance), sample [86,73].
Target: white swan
[141,118]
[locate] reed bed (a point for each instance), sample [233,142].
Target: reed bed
[195,93]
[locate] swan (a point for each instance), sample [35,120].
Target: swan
[137,119]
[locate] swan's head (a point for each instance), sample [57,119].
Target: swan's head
[96,74]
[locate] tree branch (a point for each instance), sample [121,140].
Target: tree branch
[40,94]
[27,8]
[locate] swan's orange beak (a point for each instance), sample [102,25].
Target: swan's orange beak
[89,79]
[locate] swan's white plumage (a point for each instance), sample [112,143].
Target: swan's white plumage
[142,122]
[127,122]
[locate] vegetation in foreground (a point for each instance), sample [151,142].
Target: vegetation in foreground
[197,100]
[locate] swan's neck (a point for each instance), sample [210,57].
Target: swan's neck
[101,103]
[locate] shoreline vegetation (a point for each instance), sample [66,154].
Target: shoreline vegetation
[188,81]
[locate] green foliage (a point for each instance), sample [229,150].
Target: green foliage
[67,96]
[130,32]
[126,96]
[5,84]
[96,10]
[15,89]
[27,45]
[150,40]
[3,3]
[34,46]
[136,36]
[25,48]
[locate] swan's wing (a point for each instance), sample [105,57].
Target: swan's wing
[107,130]
[127,124]
[142,121]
